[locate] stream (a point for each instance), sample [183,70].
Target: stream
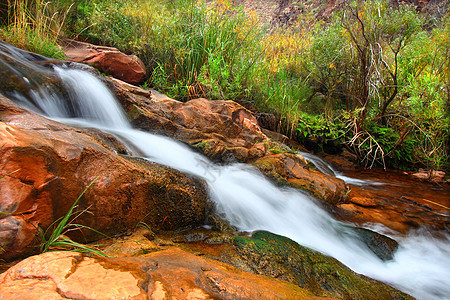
[244,197]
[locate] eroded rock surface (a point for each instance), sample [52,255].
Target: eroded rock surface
[166,274]
[267,254]
[53,164]
[294,170]
[108,60]
[222,130]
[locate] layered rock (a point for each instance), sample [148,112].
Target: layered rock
[108,60]
[391,198]
[295,171]
[270,255]
[46,165]
[222,130]
[167,274]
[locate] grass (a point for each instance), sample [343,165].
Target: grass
[35,27]
[217,50]
[54,238]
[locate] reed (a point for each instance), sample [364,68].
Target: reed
[35,26]
[55,238]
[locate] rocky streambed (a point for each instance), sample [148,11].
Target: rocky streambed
[169,237]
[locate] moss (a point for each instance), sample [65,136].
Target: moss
[202,145]
[280,257]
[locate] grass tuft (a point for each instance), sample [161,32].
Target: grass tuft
[57,239]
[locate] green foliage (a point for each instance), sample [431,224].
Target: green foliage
[320,133]
[374,77]
[34,25]
[103,22]
[57,239]
[192,49]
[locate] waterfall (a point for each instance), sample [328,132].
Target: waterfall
[421,265]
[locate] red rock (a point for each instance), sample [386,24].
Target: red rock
[222,130]
[396,206]
[54,163]
[433,176]
[108,60]
[168,274]
[62,275]
[293,169]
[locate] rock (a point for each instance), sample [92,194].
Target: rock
[222,130]
[54,163]
[18,76]
[108,60]
[62,275]
[401,205]
[293,169]
[279,257]
[344,160]
[433,176]
[282,258]
[167,274]
[383,246]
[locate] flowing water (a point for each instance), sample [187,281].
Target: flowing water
[421,266]
[329,169]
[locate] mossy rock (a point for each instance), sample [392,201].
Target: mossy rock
[280,257]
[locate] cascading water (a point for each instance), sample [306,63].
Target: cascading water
[421,265]
[328,169]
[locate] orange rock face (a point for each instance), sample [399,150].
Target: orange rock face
[168,274]
[397,207]
[222,130]
[397,201]
[293,169]
[54,163]
[108,60]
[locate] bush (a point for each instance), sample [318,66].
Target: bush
[374,77]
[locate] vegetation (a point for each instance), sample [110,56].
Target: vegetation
[55,236]
[33,25]
[372,78]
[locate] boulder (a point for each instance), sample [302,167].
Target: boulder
[167,274]
[294,170]
[108,60]
[273,255]
[432,176]
[222,130]
[45,166]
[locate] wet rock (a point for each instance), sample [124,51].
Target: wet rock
[167,274]
[383,246]
[108,60]
[19,76]
[293,169]
[343,161]
[432,176]
[53,164]
[282,258]
[222,130]
[400,206]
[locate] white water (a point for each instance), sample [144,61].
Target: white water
[328,169]
[421,266]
